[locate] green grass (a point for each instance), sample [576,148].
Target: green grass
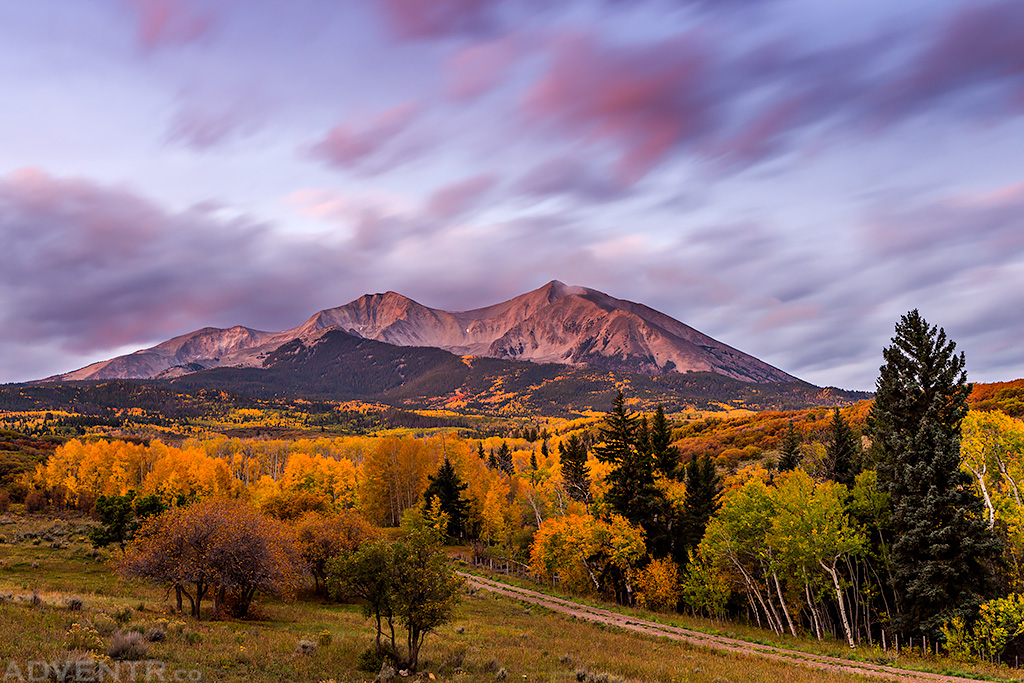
[489,632]
[913,661]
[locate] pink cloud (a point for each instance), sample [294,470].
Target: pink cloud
[418,19]
[359,145]
[458,198]
[644,102]
[478,69]
[168,22]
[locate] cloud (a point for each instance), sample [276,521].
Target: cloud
[977,48]
[171,22]
[644,101]
[206,128]
[571,177]
[120,269]
[454,200]
[476,70]
[371,145]
[413,20]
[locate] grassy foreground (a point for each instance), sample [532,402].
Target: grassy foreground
[48,562]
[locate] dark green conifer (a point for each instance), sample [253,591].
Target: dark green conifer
[942,552]
[447,487]
[789,459]
[703,488]
[842,450]
[572,455]
[631,489]
[666,456]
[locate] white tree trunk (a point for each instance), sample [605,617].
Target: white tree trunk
[842,603]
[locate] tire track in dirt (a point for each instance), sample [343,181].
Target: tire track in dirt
[721,643]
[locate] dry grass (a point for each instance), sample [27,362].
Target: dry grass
[489,634]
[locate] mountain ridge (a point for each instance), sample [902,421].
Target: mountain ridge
[556,323]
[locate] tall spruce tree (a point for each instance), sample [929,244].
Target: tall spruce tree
[703,488]
[666,456]
[447,487]
[572,455]
[942,553]
[842,451]
[790,451]
[504,459]
[632,492]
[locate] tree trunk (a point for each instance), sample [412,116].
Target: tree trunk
[842,602]
[782,601]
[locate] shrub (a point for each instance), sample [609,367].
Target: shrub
[305,647]
[192,638]
[73,603]
[127,646]
[81,637]
[501,674]
[123,615]
[324,638]
[371,660]
[80,665]
[104,624]
[155,635]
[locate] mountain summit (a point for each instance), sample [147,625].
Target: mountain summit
[557,323]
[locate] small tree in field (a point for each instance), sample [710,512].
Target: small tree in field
[409,581]
[222,548]
[322,537]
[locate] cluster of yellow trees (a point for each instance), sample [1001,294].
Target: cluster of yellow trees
[794,547]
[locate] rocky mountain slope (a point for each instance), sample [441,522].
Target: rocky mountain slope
[554,324]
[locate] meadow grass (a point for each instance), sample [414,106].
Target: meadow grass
[490,638]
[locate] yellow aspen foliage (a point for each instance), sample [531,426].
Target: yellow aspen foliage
[657,585]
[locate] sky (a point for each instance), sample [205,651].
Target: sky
[787,176]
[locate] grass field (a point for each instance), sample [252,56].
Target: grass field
[48,562]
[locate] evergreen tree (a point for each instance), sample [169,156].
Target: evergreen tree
[790,451]
[942,552]
[544,451]
[505,459]
[533,461]
[447,488]
[666,456]
[572,455]
[703,487]
[631,489]
[492,461]
[842,450]
[480,451]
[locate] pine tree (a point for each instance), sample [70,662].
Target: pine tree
[492,461]
[631,489]
[842,450]
[480,451]
[703,487]
[447,488]
[505,459]
[533,461]
[572,455]
[790,451]
[942,550]
[666,456]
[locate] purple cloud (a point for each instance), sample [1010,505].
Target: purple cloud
[171,22]
[369,145]
[454,200]
[411,19]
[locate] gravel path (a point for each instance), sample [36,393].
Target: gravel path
[742,647]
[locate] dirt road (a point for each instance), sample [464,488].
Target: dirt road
[699,639]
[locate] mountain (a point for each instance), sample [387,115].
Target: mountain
[557,323]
